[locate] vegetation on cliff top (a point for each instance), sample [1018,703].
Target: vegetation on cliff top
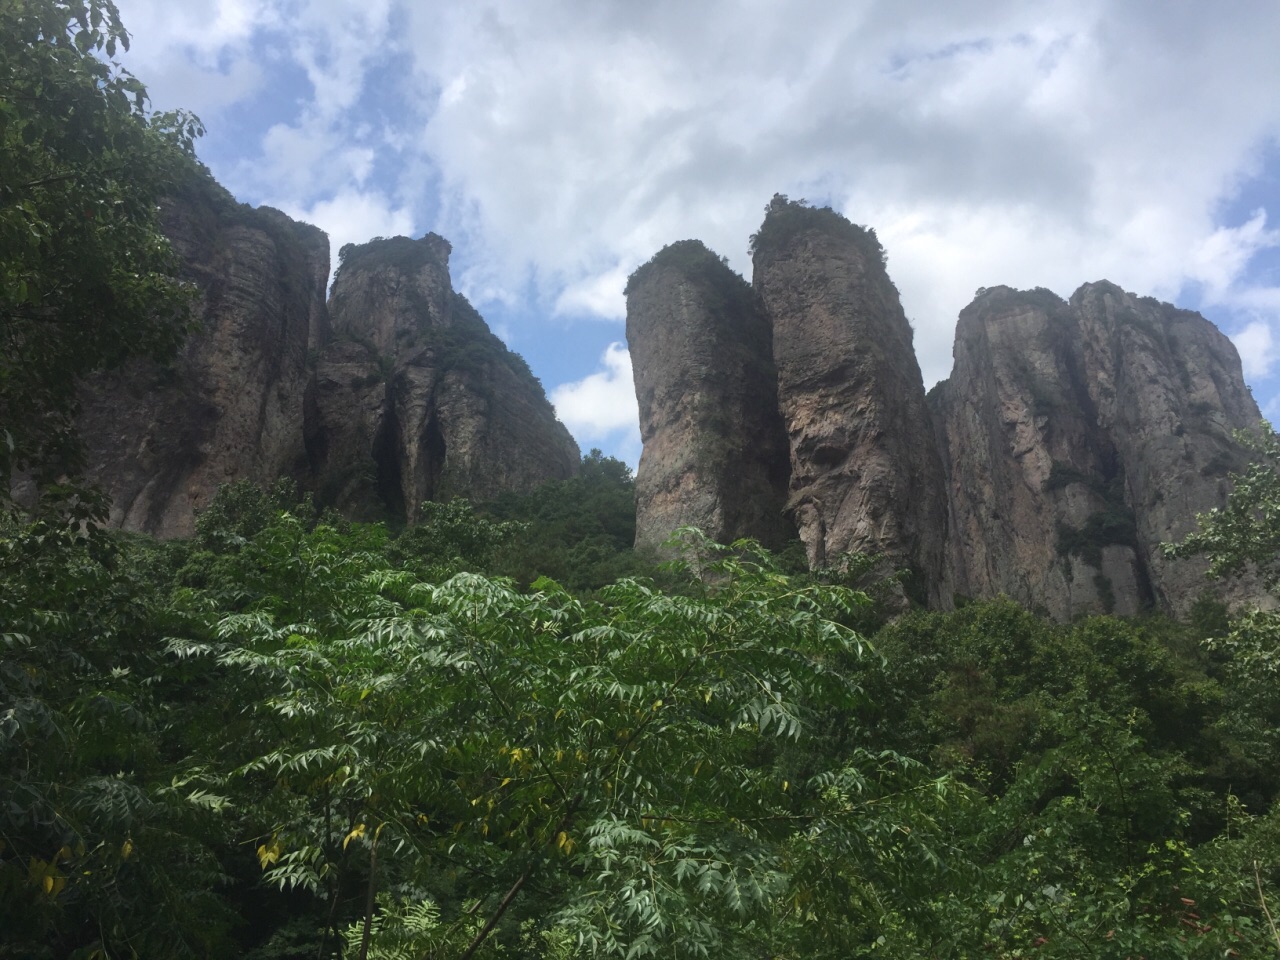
[785,218]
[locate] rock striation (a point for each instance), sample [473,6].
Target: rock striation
[865,474]
[715,450]
[415,399]
[1072,439]
[1081,435]
[392,393]
[160,440]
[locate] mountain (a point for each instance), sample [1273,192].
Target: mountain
[865,474]
[391,392]
[1080,435]
[715,456]
[1071,440]
[413,397]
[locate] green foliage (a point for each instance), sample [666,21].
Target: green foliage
[785,218]
[1244,534]
[579,532]
[86,276]
[106,831]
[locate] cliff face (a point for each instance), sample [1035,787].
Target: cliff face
[160,441]
[1071,441]
[715,451]
[415,399]
[1080,436]
[406,396]
[865,473]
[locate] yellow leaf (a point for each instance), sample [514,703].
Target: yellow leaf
[657,705]
[48,884]
[785,784]
[126,849]
[505,781]
[559,755]
[269,855]
[357,831]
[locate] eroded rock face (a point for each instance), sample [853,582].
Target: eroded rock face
[415,399]
[1080,436]
[161,440]
[715,451]
[407,396]
[865,472]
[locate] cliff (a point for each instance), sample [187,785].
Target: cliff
[715,450]
[865,474]
[161,440]
[415,399]
[1072,439]
[393,393]
[1081,435]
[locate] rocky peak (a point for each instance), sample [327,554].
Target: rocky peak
[1079,436]
[415,399]
[392,393]
[715,452]
[865,473]
[387,291]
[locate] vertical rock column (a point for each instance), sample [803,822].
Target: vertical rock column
[715,454]
[415,399]
[865,472]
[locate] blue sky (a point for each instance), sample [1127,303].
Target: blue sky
[559,143]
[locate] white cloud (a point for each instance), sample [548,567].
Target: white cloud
[1258,348]
[1220,259]
[599,296]
[351,216]
[601,405]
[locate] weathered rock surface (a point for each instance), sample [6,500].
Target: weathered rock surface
[865,471]
[415,399]
[160,441]
[715,450]
[407,396]
[1071,441]
[1080,436]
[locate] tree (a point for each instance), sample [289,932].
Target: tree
[647,773]
[87,278]
[1245,533]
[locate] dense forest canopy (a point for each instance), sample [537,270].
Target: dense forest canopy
[503,732]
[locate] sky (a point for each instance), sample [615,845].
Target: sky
[558,144]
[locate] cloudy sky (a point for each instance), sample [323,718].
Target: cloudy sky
[559,143]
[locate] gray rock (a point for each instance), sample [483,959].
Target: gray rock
[715,453]
[865,472]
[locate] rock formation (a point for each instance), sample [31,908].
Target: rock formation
[865,474]
[1079,437]
[415,399]
[407,396]
[1071,440]
[161,440]
[715,451]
